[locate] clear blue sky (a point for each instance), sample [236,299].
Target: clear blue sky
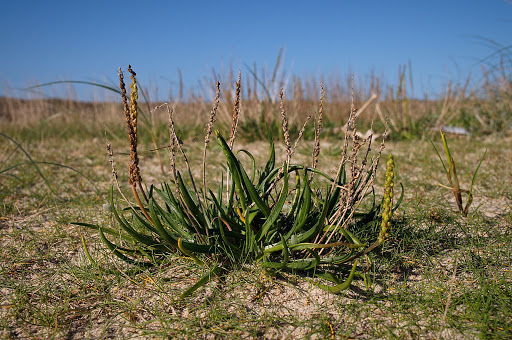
[43,41]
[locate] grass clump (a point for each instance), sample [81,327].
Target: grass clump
[283,216]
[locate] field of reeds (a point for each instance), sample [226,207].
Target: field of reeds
[438,269]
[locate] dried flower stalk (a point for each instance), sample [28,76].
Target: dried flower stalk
[236,112]
[209,130]
[318,130]
[176,143]
[285,127]
[130,112]
[354,191]
[301,133]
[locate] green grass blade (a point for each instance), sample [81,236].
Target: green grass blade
[285,254]
[447,150]
[302,215]
[399,201]
[440,158]
[342,286]
[476,171]
[233,249]
[109,231]
[253,193]
[234,168]
[34,164]
[276,210]
[160,228]
[110,88]
[86,250]
[470,193]
[271,162]
[204,280]
[316,260]
[149,241]
[114,249]
[174,207]
[190,204]
[318,225]
[253,168]
[173,223]
[297,197]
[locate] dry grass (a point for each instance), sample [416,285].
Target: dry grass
[483,108]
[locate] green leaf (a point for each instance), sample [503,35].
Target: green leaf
[114,249]
[342,286]
[233,166]
[237,252]
[112,232]
[297,196]
[269,167]
[285,254]
[313,231]
[204,280]
[159,227]
[470,193]
[304,209]
[276,210]
[253,168]
[190,204]
[149,241]
[440,158]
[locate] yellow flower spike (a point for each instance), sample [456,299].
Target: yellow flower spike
[239,212]
[188,253]
[388,200]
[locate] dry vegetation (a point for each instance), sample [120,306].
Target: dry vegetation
[441,275]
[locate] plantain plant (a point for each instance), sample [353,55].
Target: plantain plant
[282,216]
[453,180]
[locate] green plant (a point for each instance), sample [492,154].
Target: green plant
[286,217]
[453,180]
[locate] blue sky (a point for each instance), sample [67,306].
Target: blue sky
[45,41]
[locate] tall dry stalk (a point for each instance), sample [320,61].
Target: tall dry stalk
[209,130]
[176,144]
[235,116]
[114,174]
[130,112]
[362,173]
[286,133]
[318,129]
[301,133]
[289,150]
[236,112]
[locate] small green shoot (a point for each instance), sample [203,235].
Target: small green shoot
[453,180]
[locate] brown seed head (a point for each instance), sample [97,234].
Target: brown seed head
[285,127]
